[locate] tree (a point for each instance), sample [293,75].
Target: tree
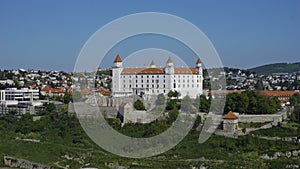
[259,85]
[50,107]
[139,105]
[171,94]
[67,97]
[172,116]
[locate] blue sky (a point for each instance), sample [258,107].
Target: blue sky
[50,34]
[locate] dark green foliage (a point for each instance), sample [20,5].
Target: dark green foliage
[67,97]
[251,103]
[259,85]
[139,105]
[172,116]
[276,68]
[50,107]
[174,93]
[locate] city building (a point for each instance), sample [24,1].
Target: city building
[152,80]
[22,100]
[23,94]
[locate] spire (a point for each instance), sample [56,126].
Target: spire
[169,60]
[198,61]
[152,64]
[118,59]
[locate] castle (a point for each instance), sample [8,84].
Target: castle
[154,80]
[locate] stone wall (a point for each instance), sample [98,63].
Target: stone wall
[275,118]
[21,163]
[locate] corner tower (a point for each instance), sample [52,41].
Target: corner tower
[116,76]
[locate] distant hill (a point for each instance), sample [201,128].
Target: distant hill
[277,68]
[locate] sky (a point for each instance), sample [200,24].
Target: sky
[49,35]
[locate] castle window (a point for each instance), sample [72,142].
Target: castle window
[147,76]
[142,76]
[142,81]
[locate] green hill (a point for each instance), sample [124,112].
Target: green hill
[277,68]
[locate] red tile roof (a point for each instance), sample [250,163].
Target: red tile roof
[277,93]
[118,59]
[230,115]
[177,70]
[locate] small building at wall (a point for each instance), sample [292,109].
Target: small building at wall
[230,122]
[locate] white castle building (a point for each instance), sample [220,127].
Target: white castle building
[156,80]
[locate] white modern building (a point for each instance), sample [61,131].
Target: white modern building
[23,94]
[154,80]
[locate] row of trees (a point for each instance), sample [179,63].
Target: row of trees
[248,102]
[251,103]
[295,101]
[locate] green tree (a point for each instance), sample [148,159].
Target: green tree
[139,105]
[259,85]
[67,97]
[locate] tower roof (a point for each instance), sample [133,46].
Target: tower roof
[169,60]
[198,61]
[230,115]
[118,59]
[152,63]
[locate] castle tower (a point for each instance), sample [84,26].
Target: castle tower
[199,66]
[169,69]
[152,64]
[230,122]
[116,74]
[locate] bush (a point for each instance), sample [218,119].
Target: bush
[139,105]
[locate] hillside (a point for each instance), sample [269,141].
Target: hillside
[277,68]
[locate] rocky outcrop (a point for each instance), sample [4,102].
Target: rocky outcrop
[21,163]
[276,155]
